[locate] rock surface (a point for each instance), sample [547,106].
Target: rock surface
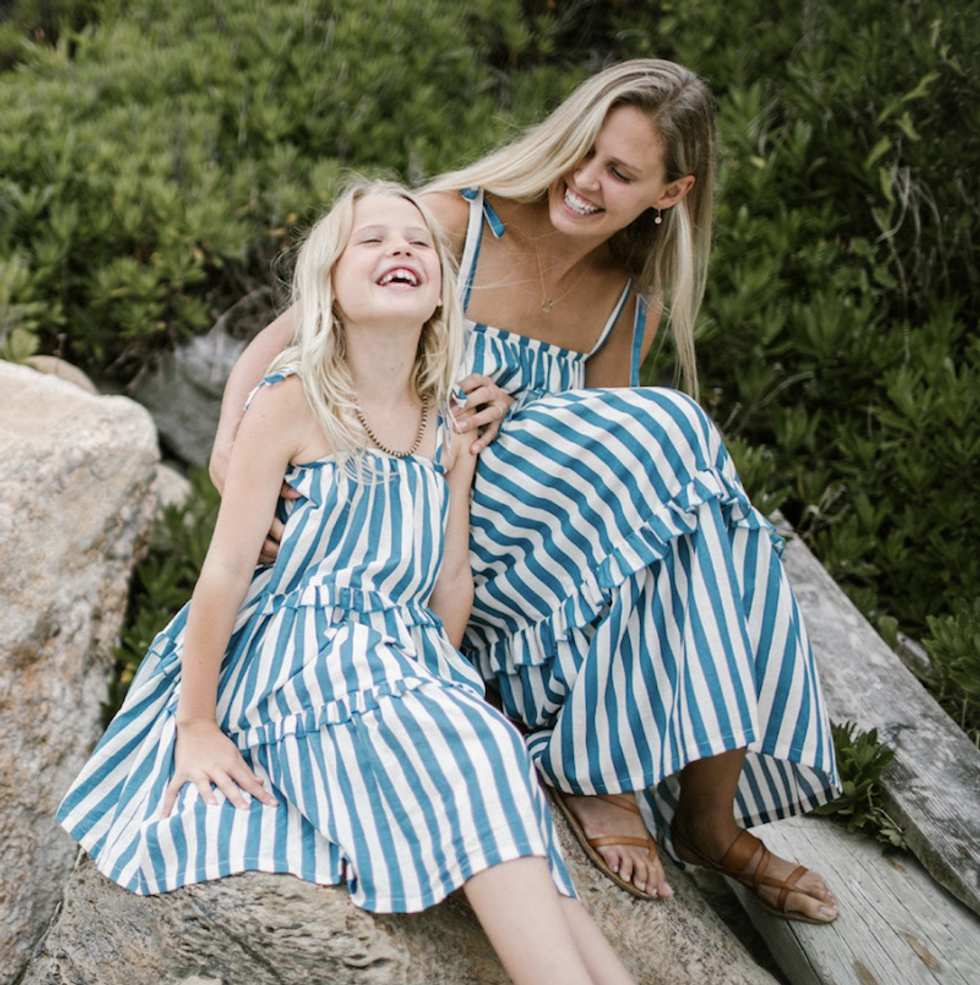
[277,930]
[183,391]
[54,366]
[76,499]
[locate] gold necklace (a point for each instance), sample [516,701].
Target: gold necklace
[548,303]
[359,414]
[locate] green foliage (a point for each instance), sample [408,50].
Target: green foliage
[954,650]
[838,344]
[41,22]
[861,760]
[165,577]
[155,165]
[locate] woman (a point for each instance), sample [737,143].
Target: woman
[631,608]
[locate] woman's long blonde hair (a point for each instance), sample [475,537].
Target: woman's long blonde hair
[668,262]
[317,353]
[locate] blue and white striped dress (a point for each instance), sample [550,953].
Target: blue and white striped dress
[631,606]
[345,696]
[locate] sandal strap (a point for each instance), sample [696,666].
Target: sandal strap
[627,802]
[624,800]
[647,843]
[788,886]
[740,854]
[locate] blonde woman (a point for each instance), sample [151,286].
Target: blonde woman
[630,607]
[314,717]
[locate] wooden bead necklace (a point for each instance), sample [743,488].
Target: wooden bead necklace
[359,414]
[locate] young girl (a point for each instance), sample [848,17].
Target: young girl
[314,717]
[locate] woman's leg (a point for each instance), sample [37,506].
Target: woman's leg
[705,820]
[539,936]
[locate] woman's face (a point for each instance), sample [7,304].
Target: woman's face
[617,181]
[389,269]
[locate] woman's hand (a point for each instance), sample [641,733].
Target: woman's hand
[486,406]
[206,757]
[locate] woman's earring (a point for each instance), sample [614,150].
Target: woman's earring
[659,217]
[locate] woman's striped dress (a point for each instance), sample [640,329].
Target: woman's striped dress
[631,605]
[345,696]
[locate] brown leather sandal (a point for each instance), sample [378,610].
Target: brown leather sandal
[734,861]
[627,803]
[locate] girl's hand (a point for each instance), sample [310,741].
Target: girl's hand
[486,406]
[205,756]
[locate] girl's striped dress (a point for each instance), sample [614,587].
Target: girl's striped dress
[345,696]
[631,606]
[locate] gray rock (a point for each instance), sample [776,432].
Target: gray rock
[172,488]
[183,390]
[277,930]
[76,500]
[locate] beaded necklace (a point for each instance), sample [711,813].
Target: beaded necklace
[359,414]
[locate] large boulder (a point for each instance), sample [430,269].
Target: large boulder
[277,930]
[76,500]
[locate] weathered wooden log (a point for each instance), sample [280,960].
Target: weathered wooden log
[896,925]
[932,788]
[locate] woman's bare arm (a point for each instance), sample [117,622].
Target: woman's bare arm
[246,373]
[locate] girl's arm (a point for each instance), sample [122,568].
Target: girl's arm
[452,598]
[270,435]
[245,374]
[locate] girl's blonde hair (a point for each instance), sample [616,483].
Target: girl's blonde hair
[667,261]
[317,353]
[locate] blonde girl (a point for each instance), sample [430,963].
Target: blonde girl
[314,716]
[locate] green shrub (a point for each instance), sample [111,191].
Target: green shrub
[954,650]
[838,343]
[153,170]
[861,760]
[164,578]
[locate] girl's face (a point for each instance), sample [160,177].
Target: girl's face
[389,270]
[617,181]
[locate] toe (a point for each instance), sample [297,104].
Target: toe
[658,879]
[626,869]
[612,858]
[811,907]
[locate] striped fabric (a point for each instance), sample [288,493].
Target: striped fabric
[345,696]
[631,605]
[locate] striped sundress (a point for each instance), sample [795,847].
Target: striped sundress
[344,695]
[631,605]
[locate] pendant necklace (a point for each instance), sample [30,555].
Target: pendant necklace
[548,303]
[359,414]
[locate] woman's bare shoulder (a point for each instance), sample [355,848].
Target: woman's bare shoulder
[452,213]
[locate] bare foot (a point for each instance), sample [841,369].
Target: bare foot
[600,819]
[814,900]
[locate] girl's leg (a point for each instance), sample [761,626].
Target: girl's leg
[538,936]
[706,821]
